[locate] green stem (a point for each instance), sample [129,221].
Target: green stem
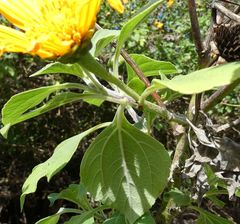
[89,62]
[120,101]
[164,113]
[69,85]
[95,81]
[147,92]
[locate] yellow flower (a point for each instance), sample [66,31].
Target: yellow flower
[47,28]
[118,5]
[170,3]
[158,24]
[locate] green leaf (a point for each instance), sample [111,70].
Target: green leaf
[209,218]
[150,67]
[137,85]
[23,106]
[146,219]
[75,193]
[215,191]
[125,168]
[128,28]
[180,198]
[56,101]
[201,80]
[57,67]
[93,100]
[117,218]
[86,217]
[61,156]
[212,179]
[4,130]
[237,193]
[17,109]
[216,201]
[53,219]
[101,39]
[83,219]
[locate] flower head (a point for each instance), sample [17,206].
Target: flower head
[47,28]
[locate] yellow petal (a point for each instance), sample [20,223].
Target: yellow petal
[117,5]
[20,13]
[12,40]
[88,16]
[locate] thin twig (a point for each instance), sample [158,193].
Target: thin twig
[181,145]
[228,125]
[141,76]
[218,95]
[230,2]
[195,27]
[199,48]
[227,12]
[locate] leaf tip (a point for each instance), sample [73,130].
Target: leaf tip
[4,130]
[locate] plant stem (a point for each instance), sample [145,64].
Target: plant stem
[203,55]
[75,86]
[141,76]
[94,81]
[146,93]
[88,62]
[195,27]
[165,114]
[137,70]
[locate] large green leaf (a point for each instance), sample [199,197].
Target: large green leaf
[101,39]
[61,156]
[75,193]
[58,67]
[201,80]
[128,28]
[125,168]
[150,67]
[209,218]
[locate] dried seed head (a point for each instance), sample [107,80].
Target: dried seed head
[227,39]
